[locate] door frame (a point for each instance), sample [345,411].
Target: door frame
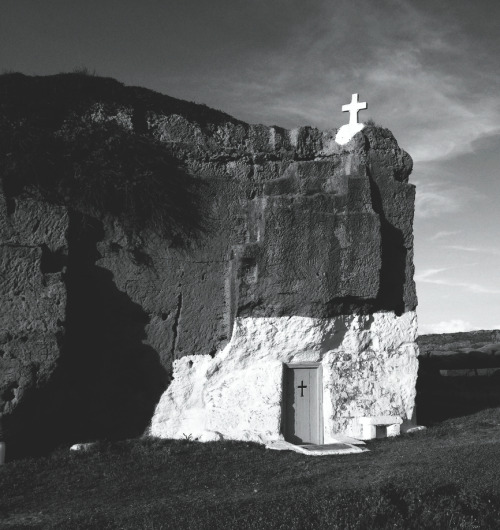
[311,365]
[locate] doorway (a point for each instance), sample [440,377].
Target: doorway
[302,403]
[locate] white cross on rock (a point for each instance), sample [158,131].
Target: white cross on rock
[346,132]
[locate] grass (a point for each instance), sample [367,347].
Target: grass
[444,477]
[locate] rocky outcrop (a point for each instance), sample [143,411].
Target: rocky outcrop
[288,224]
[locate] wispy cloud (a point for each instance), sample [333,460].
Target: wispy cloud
[444,234]
[492,251]
[428,72]
[444,122]
[411,84]
[429,273]
[311,65]
[447,326]
[436,198]
[430,276]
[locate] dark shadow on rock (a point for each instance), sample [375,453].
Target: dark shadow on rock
[107,382]
[100,168]
[113,380]
[442,397]
[393,270]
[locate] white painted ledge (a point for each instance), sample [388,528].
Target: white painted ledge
[380,426]
[347,132]
[380,420]
[316,450]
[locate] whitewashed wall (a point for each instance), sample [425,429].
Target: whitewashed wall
[369,369]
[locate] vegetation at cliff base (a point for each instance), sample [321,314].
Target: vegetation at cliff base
[445,477]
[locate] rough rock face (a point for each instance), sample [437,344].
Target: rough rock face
[33,300]
[293,226]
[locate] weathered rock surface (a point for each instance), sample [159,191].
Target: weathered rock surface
[292,225]
[33,299]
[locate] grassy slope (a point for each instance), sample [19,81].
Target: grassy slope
[47,100]
[445,477]
[450,341]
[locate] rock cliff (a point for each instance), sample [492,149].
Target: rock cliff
[103,288]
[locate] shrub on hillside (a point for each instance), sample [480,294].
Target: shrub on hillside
[56,151]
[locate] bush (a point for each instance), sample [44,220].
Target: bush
[54,149]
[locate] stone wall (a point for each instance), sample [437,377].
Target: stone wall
[315,219]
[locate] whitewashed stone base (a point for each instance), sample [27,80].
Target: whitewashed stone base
[369,367]
[380,426]
[347,132]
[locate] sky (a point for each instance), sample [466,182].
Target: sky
[428,69]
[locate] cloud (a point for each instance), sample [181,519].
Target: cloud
[434,199]
[492,251]
[448,326]
[404,65]
[428,273]
[412,83]
[443,234]
[429,276]
[426,71]
[440,119]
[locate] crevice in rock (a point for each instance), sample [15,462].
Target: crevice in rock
[10,392]
[16,245]
[139,257]
[52,260]
[393,269]
[175,326]
[115,247]
[5,337]
[10,204]
[139,121]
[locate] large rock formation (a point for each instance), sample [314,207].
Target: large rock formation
[297,249]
